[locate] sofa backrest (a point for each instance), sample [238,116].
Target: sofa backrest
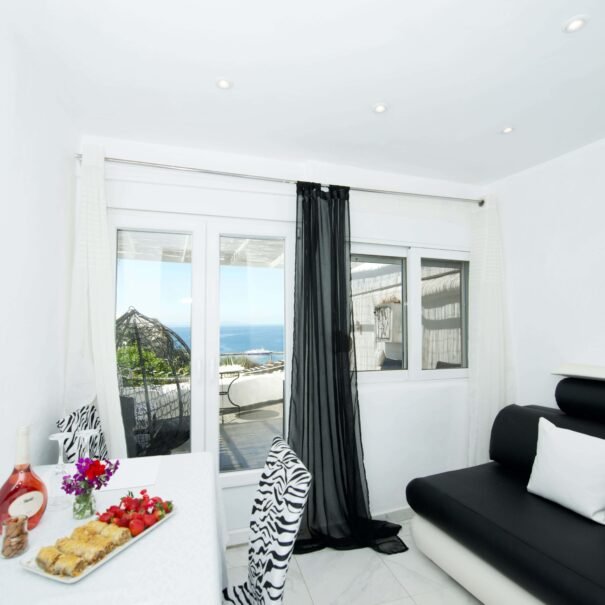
[515,430]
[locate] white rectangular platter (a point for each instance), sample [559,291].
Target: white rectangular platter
[30,563]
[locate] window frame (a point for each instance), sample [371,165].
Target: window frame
[413,256]
[396,253]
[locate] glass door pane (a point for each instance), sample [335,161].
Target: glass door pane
[252,362]
[153,340]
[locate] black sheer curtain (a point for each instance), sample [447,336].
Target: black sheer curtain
[324,410]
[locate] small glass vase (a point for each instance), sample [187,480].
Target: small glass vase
[84,505]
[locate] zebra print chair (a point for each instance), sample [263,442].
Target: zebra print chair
[276,515]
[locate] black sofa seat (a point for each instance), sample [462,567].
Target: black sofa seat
[550,551]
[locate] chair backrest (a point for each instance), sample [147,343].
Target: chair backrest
[276,515]
[83,419]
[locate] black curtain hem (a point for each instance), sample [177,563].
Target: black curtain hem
[381,536]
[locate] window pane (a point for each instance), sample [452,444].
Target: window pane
[379,300]
[153,340]
[251,396]
[444,314]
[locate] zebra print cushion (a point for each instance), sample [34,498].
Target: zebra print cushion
[276,514]
[82,419]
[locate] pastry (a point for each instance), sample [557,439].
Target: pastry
[68,565]
[95,527]
[82,533]
[118,535]
[47,556]
[105,544]
[89,552]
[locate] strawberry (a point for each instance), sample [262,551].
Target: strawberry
[130,503]
[149,520]
[122,522]
[106,517]
[167,506]
[158,514]
[136,526]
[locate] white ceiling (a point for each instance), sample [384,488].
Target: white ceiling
[307,74]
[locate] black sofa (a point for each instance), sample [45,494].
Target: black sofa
[551,552]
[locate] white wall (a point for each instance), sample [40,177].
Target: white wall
[553,218]
[410,428]
[36,172]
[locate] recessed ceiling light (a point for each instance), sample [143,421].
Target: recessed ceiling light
[224,84]
[380,108]
[575,24]
[507,130]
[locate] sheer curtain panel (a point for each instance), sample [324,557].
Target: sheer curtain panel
[90,372]
[325,428]
[489,369]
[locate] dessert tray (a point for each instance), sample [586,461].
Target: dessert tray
[29,562]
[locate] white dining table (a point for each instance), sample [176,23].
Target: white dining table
[182,562]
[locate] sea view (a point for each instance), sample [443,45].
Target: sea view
[243,338]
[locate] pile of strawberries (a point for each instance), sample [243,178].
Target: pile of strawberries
[137,514]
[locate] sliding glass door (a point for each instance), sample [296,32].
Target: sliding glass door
[203,318]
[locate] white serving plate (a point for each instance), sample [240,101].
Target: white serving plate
[30,563]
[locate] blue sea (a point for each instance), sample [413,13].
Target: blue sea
[242,338]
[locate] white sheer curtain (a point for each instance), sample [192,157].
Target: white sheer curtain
[489,371]
[90,372]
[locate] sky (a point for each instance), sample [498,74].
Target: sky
[162,290]
[252,295]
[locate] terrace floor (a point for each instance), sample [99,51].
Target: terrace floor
[245,438]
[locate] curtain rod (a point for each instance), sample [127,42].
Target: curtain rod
[272,179]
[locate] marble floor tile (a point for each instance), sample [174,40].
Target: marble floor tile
[353,577]
[296,592]
[417,573]
[405,530]
[453,595]
[361,577]
[400,517]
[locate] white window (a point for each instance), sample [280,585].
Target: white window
[410,312]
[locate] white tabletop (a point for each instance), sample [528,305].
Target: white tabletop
[180,562]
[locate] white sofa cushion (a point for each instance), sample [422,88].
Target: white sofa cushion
[569,469]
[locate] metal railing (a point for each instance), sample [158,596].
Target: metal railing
[251,356]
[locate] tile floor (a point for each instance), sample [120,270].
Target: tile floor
[362,577]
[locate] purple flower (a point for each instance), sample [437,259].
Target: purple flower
[91,474]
